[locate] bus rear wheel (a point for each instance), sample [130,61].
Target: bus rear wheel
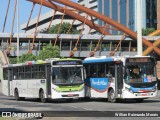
[111,96]
[16,95]
[42,97]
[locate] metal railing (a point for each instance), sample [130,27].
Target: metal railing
[67,48]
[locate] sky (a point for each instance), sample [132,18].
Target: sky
[24,12]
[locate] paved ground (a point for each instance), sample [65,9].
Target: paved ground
[100,105]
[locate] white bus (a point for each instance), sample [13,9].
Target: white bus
[51,79]
[120,77]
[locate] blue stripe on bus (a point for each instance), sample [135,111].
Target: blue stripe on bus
[98,60]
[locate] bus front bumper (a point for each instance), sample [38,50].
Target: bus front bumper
[130,95]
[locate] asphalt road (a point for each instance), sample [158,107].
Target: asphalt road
[94,109]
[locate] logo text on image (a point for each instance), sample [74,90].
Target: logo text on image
[6,114]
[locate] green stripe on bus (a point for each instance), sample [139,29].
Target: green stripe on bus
[69,88]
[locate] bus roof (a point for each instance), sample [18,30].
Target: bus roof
[61,59]
[98,59]
[123,58]
[49,60]
[109,58]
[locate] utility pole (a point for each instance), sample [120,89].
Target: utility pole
[17,30]
[139,27]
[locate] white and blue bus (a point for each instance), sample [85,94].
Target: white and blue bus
[50,79]
[120,78]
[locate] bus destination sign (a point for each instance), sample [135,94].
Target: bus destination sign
[67,63]
[139,60]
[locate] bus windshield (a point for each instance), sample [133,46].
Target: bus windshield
[140,73]
[67,75]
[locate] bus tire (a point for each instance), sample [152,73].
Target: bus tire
[16,95]
[42,97]
[111,96]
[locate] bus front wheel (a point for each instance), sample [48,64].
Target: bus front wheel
[16,95]
[111,96]
[42,97]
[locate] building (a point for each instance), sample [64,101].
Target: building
[158,14]
[67,42]
[44,22]
[124,12]
[151,13]
[91,4]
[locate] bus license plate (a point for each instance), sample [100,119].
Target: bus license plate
[70,95]
[144,94]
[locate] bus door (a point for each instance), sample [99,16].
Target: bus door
[48,80]
[10,78]
[118,78]
[7,82]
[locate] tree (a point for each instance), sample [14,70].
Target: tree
[12,60]
[147,31]
[49,51]
[27,57]
[23,58]
[63,30]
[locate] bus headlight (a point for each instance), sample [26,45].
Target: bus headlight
[55,90]
[156,88]
[129,90]
[81,88]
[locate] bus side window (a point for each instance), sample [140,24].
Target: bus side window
[112,69]
[107,70]
[101,70]
[34,75]
[28,72]
[41,71]
[20,77]
[94,75]
[93,70]
[21,73]
[42,75]
[88,74]
[5,74]
[14,77]
[15,73]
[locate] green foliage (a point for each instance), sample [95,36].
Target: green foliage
[23,58]
[147,31]
[12,60]
[27,57]
[49,51]
[64,29]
